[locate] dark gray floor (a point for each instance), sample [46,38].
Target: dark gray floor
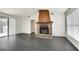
[24,42]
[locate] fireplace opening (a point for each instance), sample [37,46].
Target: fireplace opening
[44,30]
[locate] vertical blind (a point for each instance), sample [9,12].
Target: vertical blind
[73,24]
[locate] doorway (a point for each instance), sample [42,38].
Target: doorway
[32,26]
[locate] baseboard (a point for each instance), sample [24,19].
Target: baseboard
[58,36]
[11,35]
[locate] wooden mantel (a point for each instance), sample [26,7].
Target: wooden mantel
[44,22]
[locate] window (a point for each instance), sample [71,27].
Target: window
[73,24]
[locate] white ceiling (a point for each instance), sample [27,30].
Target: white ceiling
[59,10]
[29,11]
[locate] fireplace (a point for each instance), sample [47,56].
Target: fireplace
[44,24]
[44,29]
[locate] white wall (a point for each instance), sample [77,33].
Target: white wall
[12,26]
[19,25]
[58,24]
[26,25]
[15,25]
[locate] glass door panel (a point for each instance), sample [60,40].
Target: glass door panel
[3,27]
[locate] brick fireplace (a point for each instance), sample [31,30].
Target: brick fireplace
[44,24]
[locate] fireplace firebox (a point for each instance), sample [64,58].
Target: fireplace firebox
[44,30]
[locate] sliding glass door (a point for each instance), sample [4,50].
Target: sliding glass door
[73,24]
[3,26]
